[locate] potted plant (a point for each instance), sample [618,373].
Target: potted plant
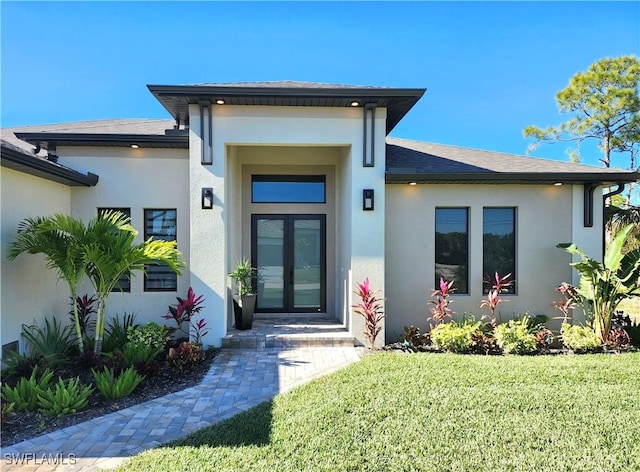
[244,300]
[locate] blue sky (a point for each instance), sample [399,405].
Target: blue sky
[490,68]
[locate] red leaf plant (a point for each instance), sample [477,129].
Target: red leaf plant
[569,299]
[498,285]
[199,331]
[370,307]
[441,309]
[185,308]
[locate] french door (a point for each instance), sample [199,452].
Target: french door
[289,252]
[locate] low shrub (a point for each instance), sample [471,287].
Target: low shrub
[64,398]
[186,354]
[413,339]
[151,334]
[618,338]
[6,410]
[54,342]
[579,338]
[115,333]
[25,394]
[113,386]
[544,338]
[455,336]
[516,336]
[136,353]
[21,365]
[631,328]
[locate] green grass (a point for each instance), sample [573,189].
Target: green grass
[435,413]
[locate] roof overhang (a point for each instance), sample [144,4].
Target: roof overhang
[51,140]
[600,178]
[39,167]
[177,98]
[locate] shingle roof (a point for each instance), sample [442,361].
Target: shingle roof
[443,163]
[116,126]
[23,160]
[287,84]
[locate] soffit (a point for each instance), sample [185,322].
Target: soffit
[177,98]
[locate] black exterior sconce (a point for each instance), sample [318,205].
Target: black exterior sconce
[367,199]
[207,198]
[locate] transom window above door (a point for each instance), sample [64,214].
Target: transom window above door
[288,189]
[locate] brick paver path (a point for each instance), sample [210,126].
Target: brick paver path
[238,380]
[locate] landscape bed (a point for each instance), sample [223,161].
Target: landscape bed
[21,426]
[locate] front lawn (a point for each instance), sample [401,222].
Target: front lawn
[434,412]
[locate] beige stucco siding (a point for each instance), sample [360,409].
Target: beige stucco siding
[138,179]
[29,291]
[543,219]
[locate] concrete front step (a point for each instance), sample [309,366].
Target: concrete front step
[289,332]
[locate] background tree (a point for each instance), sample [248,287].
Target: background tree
[605,105]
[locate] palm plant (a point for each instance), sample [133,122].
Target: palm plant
[58,238]
[603,285]
[110,251]
[619,217]
[104,250]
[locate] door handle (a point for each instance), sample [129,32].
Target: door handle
[290,275]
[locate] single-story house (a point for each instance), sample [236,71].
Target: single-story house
[303,180]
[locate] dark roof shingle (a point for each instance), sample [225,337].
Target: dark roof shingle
[443,163]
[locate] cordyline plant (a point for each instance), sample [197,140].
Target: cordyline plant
[603,285]
[498,285]
[370,307]
[183,311]
[441,309]
[83,308]
[569,299]
[199,331]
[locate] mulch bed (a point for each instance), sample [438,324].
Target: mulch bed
[21,426]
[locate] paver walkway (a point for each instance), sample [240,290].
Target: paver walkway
[238,380]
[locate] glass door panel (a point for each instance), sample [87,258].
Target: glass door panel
[269,259]
[307,264]
[289,253]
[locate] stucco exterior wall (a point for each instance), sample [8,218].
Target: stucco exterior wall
[544,216]
[138,179]
[234,127]
[29,291]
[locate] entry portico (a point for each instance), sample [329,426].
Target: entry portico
[308,252]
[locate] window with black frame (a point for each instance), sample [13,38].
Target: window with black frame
[452,248]
[499,245]
[288,189]
[124,282]
[162,225]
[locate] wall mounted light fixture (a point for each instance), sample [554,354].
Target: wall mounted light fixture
[367,199]
[207,198]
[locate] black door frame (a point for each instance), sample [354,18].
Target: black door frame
[288,295]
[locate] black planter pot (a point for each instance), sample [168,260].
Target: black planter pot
[243,309]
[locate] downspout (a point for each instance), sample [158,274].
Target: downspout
[617,191]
